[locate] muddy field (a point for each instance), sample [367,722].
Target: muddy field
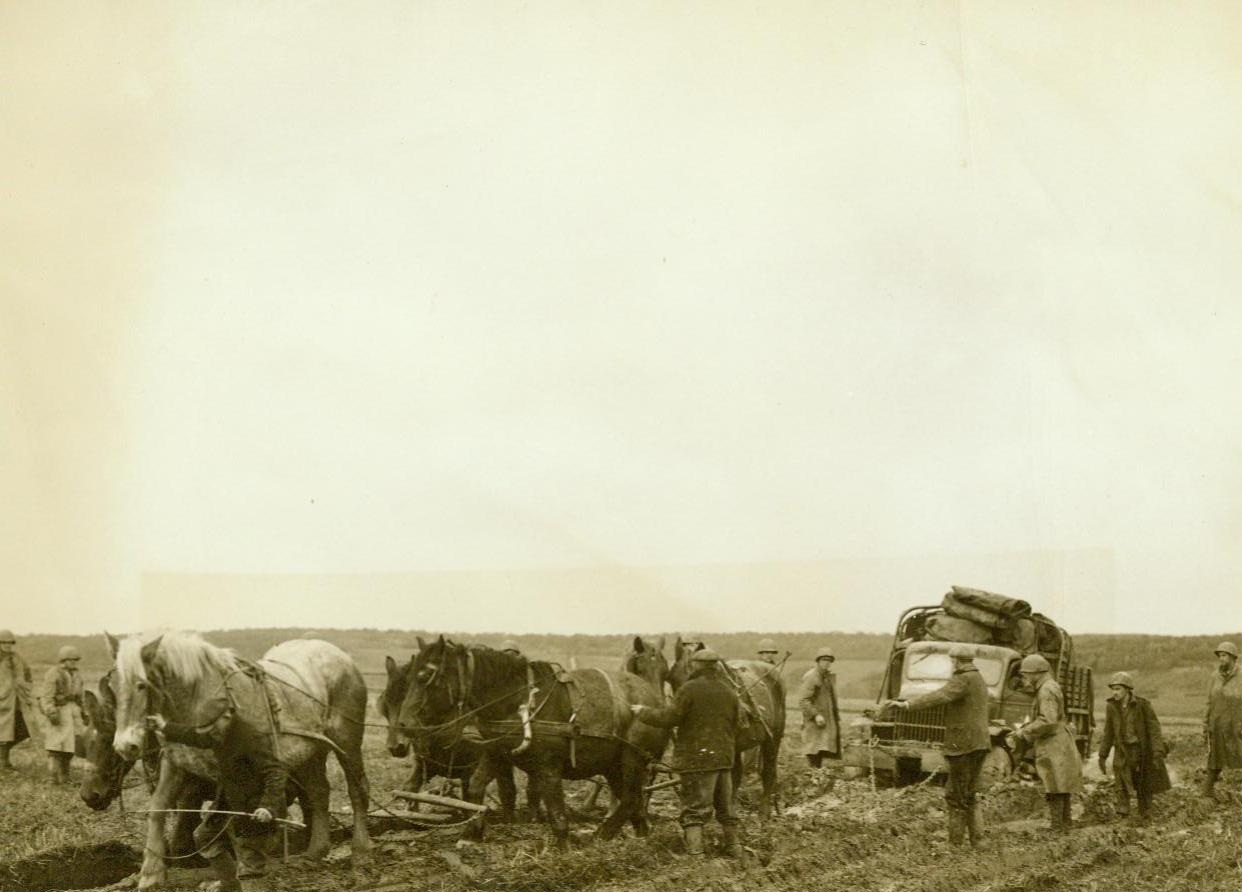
[834,834]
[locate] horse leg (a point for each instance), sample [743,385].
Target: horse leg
[350,760]
[553,790]
[153,871]
[769,754]
[475,790]
[617,808]
[312,780]
[739,771]
[508,792]
[414,784]
[534,799]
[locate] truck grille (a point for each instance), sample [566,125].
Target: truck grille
[911,725]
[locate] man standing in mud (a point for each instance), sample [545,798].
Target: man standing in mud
[1056,754]
[252,780]
[62,706]
[966,740]
[706,713]
[15,698]
[821,718]
[1132,734]
[1222,726]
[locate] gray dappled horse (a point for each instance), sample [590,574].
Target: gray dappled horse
[551,723]
[314,686]
[762,693]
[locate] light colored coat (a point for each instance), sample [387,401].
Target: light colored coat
[1224,720]
[16,700]
[61,703]
[1056,755]
[817,695]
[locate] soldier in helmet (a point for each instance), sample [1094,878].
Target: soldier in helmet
[821,717]
[1222,727]
[62,706]
[511,647]
[1048,729]
[706,713]
[1132,734]
[768,651]
[15,684]
[966,740]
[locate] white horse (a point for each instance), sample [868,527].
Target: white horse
[309,694]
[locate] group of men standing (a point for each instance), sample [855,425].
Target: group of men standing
[59,701]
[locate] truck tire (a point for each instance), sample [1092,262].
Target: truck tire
[997,766]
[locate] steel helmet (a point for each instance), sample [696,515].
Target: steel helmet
[825,652]
[68,652]
[705,655]
[6,637]
[962,652]
[1227,647]
[1121,678]
[511,645]
[767,646]
[1034,663]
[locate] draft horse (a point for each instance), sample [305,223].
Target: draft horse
[551,723]
[762,692]
[308,693]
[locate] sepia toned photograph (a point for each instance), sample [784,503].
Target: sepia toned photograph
[555,446]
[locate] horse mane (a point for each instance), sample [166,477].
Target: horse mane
[184,655]
[493,668]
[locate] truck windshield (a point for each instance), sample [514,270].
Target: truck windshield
[936,665]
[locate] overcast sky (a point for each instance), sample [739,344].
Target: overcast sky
[716,316]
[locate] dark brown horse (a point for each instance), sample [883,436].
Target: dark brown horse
[762,693]
[452,753]
[551,723]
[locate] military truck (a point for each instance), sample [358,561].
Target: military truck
[902,746]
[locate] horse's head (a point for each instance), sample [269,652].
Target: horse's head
[679,672]
[137,693]
[390,704]
[647,661]
[102,781]
[435,686]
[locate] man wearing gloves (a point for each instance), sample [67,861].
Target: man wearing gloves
[1132,734]
[706,713]
[821,719]
[966,740]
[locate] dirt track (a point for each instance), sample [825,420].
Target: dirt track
[834,834]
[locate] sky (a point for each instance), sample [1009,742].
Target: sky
[595,317]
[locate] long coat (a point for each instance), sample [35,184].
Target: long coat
[1153,776]
[62,706]
[706,713]
[817,696]
[965,698]
[1224,720]
[15,699]
[1056,755]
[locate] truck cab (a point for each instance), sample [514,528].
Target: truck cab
[902,746]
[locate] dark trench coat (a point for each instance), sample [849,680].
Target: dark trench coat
[1153,776]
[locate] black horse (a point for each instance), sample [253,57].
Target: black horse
[551,723]
[452,753]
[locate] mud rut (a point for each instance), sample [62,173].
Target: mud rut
[834,834]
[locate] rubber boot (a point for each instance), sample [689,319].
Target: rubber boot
[974,824]
[1067,815]
[957,826]
[53,768]
[732,843]
[5,764]
[63,761]
[1055,815]
[694,840]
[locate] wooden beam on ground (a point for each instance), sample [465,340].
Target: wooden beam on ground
[446,801]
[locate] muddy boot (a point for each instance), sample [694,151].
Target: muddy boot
[957,826]
[1209,783]
[64,761]
[694,840]
[224,869]
[5,764]
[974,824]
[1054,814]
[732,843]
[1067,816]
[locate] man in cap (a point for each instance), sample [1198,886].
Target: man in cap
[62,706]
[1222,727]
[768,651]
[706,713]
[821,718]
[511,647]
[691,642]
[15,686]
[1132,734]
[1048,729]
[966,740]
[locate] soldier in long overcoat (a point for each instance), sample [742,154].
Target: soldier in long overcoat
[1132,734]
[706,713]
[1222,726]
[15,698]
[62,707]
[966,740]
[1048,728]
[821,717]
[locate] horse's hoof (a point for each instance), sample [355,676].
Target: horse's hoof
[153,880]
